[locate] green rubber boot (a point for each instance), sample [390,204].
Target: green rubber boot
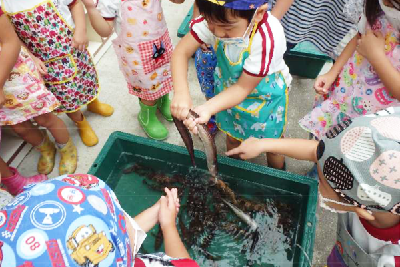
[150,123]
[163,104]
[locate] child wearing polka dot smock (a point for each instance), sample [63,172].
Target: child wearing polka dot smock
[144,49]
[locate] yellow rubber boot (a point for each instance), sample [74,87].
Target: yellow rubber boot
[100,108]
[88,136]
[69,158]
[47,155]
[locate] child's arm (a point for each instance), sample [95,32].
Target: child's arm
[300,149]
[324,82]
[167,216]
[372,46]
[280,8]
[149,218]
[10,48]
[228,98]
[80,40]
[181,102]
[102,26]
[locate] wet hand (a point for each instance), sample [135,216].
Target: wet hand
[2,98]
[323,83]
[180,106]
[250,148]
[371,45]
[39,65]
[204,117]
[80,40]
[169,208]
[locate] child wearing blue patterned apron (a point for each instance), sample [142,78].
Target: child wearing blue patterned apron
[76,220]
[251,80]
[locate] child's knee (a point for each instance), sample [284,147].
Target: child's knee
[46,120]
[22,128]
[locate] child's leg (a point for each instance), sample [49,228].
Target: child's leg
[149,121]
[276,161]
[88,136]
[28,132]
[41,142]
[55,125]
[14,181]
[4,170]
[69,157]
[232,143]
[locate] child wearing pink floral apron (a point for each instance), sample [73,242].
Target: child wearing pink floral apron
[47,28]
[144,49]
[23,97]
[358,90]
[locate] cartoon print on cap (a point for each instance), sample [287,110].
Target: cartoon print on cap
[357,144]
[388,127]
[337,129]
[336,172]
[386,169]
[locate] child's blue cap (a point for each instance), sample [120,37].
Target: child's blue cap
[240,4]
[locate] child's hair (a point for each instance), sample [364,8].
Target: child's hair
[372,11]
[217,13]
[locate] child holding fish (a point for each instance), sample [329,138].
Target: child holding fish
[144,50]
[251,78]
[358,164]
[86,226]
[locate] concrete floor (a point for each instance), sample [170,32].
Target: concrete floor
[114,92]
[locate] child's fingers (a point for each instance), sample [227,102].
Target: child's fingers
[234,151]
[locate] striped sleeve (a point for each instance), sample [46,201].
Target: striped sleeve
[262,51]
[109,8]
[199,30]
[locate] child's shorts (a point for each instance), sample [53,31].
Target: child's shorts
[205,63]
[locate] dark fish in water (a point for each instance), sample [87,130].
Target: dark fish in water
[208,142]
[129,170]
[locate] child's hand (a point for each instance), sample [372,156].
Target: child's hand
[39,65]
[323,83]
[80,40]
[180,106]
[169,208]
[204,117]
[2,98]
[371,45]
[249,148]
[89,3]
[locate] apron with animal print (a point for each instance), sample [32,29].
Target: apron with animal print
[71,75]
[263,113]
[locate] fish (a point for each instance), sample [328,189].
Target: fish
[243,216]
[210,148]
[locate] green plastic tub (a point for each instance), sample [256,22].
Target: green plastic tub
[307,65]
[246,179]
[184,27]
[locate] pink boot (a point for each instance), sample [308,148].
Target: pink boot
[15,183]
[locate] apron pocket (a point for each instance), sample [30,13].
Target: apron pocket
[155,53]
[60,70]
